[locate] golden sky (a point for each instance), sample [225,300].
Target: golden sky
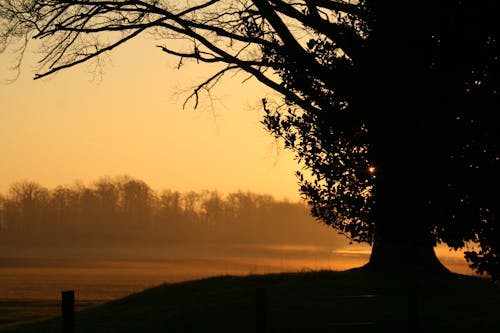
[130,121]
[69,128]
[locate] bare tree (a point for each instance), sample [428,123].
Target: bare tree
[30,200]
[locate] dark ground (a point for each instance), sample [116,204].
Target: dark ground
[348,301]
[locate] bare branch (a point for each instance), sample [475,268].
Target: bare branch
[249,69]
[207,85]
[340,6]
[90,56]
[350,42]
[195,8]
[68,25]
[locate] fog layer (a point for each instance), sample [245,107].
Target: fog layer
[124,218]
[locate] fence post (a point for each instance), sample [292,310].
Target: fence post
[68,311]
[413,324]
[261,310]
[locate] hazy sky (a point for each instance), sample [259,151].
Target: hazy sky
[68,127]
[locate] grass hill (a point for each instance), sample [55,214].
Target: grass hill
[324,301]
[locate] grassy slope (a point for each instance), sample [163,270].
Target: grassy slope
[298,302]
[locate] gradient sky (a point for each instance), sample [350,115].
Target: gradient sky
[130,121]
[71,127]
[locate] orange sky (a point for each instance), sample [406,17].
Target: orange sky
[66,128]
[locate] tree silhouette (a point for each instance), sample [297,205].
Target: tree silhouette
[207,222]
[391,109]
[30,199]
[136,200]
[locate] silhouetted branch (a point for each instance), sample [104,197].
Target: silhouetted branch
[207,85]
[340,6]
[90,56]
[347,39]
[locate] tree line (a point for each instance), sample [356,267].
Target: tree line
[124,209]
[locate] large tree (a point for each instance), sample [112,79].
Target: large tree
[391,109]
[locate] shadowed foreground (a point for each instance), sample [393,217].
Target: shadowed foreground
[349,301]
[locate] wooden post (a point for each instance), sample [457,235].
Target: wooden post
[68,311]
[413,324]
[261,310]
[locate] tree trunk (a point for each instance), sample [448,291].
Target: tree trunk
[402,257]
[405,186]
[405,158]
[403,239]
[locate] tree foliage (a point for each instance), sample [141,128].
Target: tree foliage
[388,108]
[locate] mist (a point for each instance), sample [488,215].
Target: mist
[123,218]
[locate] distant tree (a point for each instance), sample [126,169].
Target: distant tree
[3,214]
[213,207]
[88,209]
[170,205]
[136,202]
[391,109]
[63,204]
[191,206]
[29,201]
[107,193]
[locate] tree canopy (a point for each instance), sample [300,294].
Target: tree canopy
[391,109]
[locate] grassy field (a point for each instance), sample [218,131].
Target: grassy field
[325,301]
